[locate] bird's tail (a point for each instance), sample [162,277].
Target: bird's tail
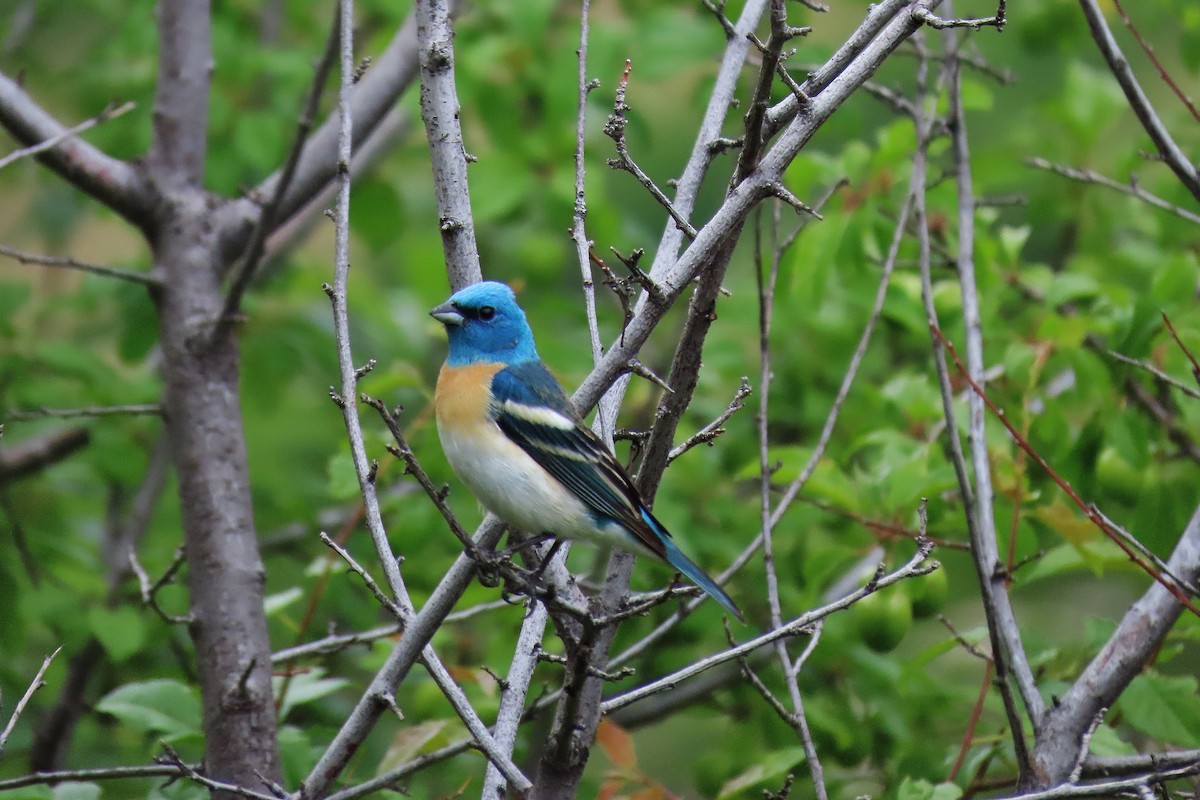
[679,561]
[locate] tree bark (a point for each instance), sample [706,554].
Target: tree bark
[203,416]
[225,572]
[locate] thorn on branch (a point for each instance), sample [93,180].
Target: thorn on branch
[389,700]
[244,680]
[638,368]
[779,190]
[500,682]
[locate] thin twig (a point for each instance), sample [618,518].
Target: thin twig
[34,685]
[336,643]
[89,411]
[797,626]
[267,218]
[1156,372]
[712,430]
[767,276]
[150,590]
[1003,631]
[1133,188]
[82,266]
[383,600]
[413,467]
[111,112]
[437,59]
[1175,335]
[191,773]
[1162,71]
[1166,146]
[996,21]
[1096,518]
[615,130]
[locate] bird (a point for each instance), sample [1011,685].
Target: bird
[511,434]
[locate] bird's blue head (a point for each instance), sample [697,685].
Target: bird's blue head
[485,324]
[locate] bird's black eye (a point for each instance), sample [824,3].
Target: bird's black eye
[486,313]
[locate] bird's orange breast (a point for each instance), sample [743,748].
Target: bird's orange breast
[464,394]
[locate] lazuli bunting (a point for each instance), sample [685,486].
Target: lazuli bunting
[514,438]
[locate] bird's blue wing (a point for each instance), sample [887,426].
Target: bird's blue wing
[532,409]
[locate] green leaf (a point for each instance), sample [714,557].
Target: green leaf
[408,742]
[306,687]
[1107,743]
[774,765]
[343,480]
[275,603]
[1164,708]
[75,790]
[160,706]
[924,790]
[120,630]
[12,296]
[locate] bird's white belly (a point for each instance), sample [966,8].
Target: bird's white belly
[515,488]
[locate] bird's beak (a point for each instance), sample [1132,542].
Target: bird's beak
[447,315]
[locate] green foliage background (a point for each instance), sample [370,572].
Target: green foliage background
[1064,274]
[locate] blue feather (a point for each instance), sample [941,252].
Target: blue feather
[691,571]
[485,325]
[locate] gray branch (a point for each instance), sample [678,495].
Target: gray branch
[1138,636]
[113,182]
[439,110]
[1171,153]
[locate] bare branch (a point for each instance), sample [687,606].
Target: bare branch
[172,758]
[113,182]
[150,589]
[413,467]
[1156,372]
[1132,188]
[111,112]
[1188,353]
[1138,635]
[267,219]
[996,21]
[374,103]
[103,774]
[712,430]
[34,685]
[615,130]
[90,411]
[71,263]
[515,689]
[381,598]
[439,110]
[1150,54]
[797,626]
[25,458]
[1170,152]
